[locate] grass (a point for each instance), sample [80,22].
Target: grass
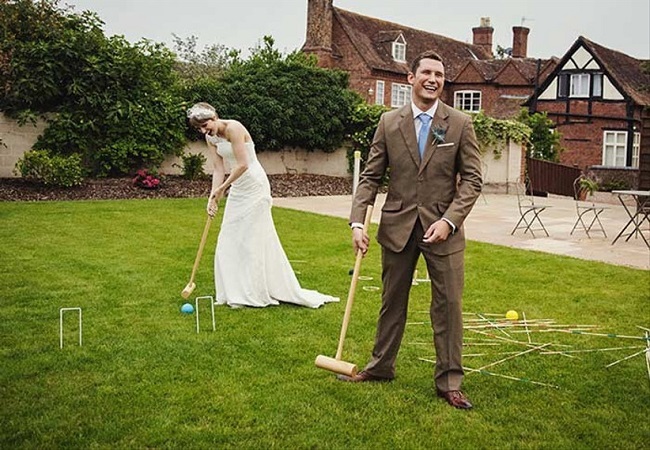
[145,379]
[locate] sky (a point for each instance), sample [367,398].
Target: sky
[554,25]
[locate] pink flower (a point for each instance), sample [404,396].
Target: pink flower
[145,180]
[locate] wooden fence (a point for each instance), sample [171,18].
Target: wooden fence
[551,178]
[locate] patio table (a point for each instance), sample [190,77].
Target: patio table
[638,215]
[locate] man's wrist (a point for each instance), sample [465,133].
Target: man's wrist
[451,224]
[354,225]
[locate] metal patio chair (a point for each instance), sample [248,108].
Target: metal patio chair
[586,210]
[529,212]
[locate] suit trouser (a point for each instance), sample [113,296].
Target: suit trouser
[447,279]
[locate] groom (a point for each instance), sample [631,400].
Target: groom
[435,179]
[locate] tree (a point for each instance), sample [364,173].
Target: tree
[283,100]
[117,105]
[211,62]
[544,141]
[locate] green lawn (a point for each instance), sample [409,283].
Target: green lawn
[145,379]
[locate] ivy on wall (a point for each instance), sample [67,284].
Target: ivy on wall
[495,134]
[491,133]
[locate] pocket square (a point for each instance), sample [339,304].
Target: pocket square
[448,144]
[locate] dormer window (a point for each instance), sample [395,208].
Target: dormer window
[580,84]
[399,49]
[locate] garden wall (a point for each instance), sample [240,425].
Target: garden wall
[14,141]
[291,160]
[499,173]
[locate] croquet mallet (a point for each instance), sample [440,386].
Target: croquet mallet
[191,285]
[335,364]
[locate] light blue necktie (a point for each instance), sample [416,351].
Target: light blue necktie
[424,131]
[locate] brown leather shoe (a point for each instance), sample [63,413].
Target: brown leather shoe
[455,398]
[362,377]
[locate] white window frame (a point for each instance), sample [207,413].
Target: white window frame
[400,94]
[636,150]
[615,148]
[579,86]
[398,49]
[379,92]
[463,99]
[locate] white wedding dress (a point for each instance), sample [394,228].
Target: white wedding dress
[250,265]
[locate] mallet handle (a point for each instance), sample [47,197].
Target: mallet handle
[353,287]
[201,245]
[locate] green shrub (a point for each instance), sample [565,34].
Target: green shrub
[121,156]
[494,133]
[363,122]
[41,167]
[100,95]
[193,166]
[544,141]
[614,184]
[284,101]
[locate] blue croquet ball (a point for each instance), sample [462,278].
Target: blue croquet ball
[187,308]
[350,272]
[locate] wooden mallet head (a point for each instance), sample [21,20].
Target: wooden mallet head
[188,289]
[336,365]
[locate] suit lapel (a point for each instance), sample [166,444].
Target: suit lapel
[407,128]
[440,122]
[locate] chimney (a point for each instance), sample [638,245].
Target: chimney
[319,31]
[483,35]
[520,42]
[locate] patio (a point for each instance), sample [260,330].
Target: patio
[494,216]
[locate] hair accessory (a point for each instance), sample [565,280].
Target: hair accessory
[200,112]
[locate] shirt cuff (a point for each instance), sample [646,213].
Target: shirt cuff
[453,227]
[356,225]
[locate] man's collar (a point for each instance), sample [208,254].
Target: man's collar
[417,111]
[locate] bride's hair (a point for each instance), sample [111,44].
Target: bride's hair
[200,113]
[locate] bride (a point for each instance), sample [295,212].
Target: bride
[250,266]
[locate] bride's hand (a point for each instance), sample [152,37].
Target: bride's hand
[213,205]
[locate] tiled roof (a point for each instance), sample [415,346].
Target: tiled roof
[373,37]
[625,69]
[527,67]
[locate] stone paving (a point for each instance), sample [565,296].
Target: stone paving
[495,215]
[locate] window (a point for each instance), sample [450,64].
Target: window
[400,95]
[597,81]
[399,49]
[579,85]
[614,148]
[468,100]
[379,93]
[636,148]
[563,85]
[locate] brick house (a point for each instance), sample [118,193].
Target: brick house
[376,53]
[600,98]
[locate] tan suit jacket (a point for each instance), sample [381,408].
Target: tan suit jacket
[446,183]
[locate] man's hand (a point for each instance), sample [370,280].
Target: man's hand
[360,240]
[438,232]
